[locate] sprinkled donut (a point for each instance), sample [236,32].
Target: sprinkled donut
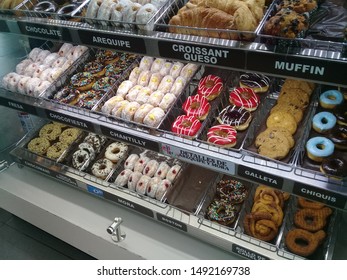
[237,117]
[186,126]
[221,212]
[244,97]
[82,81]
[94,140]
[197,106]
[103,83]
[102,168]
[89,99]
[50,131]
[67,95]
[39,145]
[97,69]
[210,86]
[232,191]
[116,151]
[222,135]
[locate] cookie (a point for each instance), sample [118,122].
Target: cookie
[294,96]
[282,119]
[272,143]
[292,109]
[272,133]
[303,85]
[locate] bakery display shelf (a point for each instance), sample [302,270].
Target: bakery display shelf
[324,65]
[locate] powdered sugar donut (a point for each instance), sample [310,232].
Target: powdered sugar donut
[143,95]
[54,74]
[118,108]
[21,66]
[41,87]
[34,53]
[104,11]
[133,92]
[176,69]
[59,62]
[154,117]
[166,83]
[45,74]
[153,186]
[11,80]
[141,163]
[30,69]
[172,173]
[64,49]
[141,112]
[31,85]
[21,85]
[129,14]
[178,85]
[51,58]
[167,101]
[129,110]
[163,186]
[150,168]
[68,63]
[155,98]
[134,75]
[162,170]
[130,161]
[109,104]
[189,70]
[144,15]
[158,64]
[124,88]
[92,9]
[141,185]
[155,80]
[146,63]
[165,70]
[39,70]
[78,52]
[122,178]
[144,77]
[133,179]
[158,3]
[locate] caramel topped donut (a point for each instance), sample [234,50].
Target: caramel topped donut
[186,126]
[222,135]
[256,81]
[235,116]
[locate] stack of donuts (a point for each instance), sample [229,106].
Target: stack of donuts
[310,220]
[238,114]
[150,91]
[147,176]
[41,68]
[227,202]
[330,125]
[53,140]
[123,13]
[277,139]
[197,107]
[88,86]
[266,215]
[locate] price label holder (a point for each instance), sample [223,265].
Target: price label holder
[95,191]
[172,222]
[3,26]
[325,196]
[190,156]
[260,177]
[131,139]
[214,56]
[112,41]
[129,204]
[247,253]
[18,105]
[44,31]
[76,122]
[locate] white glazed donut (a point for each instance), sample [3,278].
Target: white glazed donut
[167,101]
[34,53]
[144,15]
[130,161]
[50,59]
[124,88]
[134,75]
[30,86]
[55,74]
[44,76]
[104,11]
[162,170]
[144,77]
[129,110]
[141,163]
[122,178]
[39,70]
[64,49]
[118,108]
[102,168]
[78,52]
[129,14]
[141,185]
[157,64]
[21,85]
[30,69]
[154,117]
[146,63]
[116,151]
[154,81]
[155,98]
[163,186]
[133,92]
[189,70]
[166,83]
[41,87]
[176,69]
[165,70]
[178,85]
[172,173]
[141,112]
[21,66]
[110,103]
[93,8]
[42,56]
[133,180]
[143,95]
[153,186]
[59,62]
[11,81]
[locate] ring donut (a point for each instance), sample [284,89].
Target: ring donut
[312,219]
[102,167]
[197,106]
[210,86]
[186,126]
[244,97]
[222,135]
[222,212]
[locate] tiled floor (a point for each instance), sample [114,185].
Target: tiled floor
[20,240]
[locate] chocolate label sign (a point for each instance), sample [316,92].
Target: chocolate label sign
[70,120]
[114,41]
[133,140]
[260,177]
[172,222]
[246,253]
[324,196]
[202,54]
[44,31]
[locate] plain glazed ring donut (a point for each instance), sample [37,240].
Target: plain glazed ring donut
[303,242]
[319,148]
[323,121]
[102,167]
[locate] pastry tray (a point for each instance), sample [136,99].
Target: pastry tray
[259,124]
[325,32]
[140,126]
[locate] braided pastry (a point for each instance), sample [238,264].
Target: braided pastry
[312,219]
[260,225]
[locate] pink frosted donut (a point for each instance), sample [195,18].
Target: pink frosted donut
[133,180]
[210,86]
[244,97]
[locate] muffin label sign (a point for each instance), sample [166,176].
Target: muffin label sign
[260,177]
[44,31]
[202,160]
[246,253]
[326,197]
[172,222]
[202,54]
[69,120]
[113,41]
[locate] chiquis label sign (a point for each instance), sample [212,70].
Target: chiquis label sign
[44,31]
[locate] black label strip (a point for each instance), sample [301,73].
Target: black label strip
[114,41]
[172,222]
[54,116]
[18,105]
[44,31]
[213,56]
[36,167]
[3,26]
[246,253]
[324,196]
[301,67]
[260,177]
[129,204]
[128,138]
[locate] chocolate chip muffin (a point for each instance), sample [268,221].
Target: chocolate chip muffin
[299,6]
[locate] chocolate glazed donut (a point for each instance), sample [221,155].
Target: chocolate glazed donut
[340,113]
[339,137]
[335,167]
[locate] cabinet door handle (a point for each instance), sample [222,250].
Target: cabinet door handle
[115,230]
